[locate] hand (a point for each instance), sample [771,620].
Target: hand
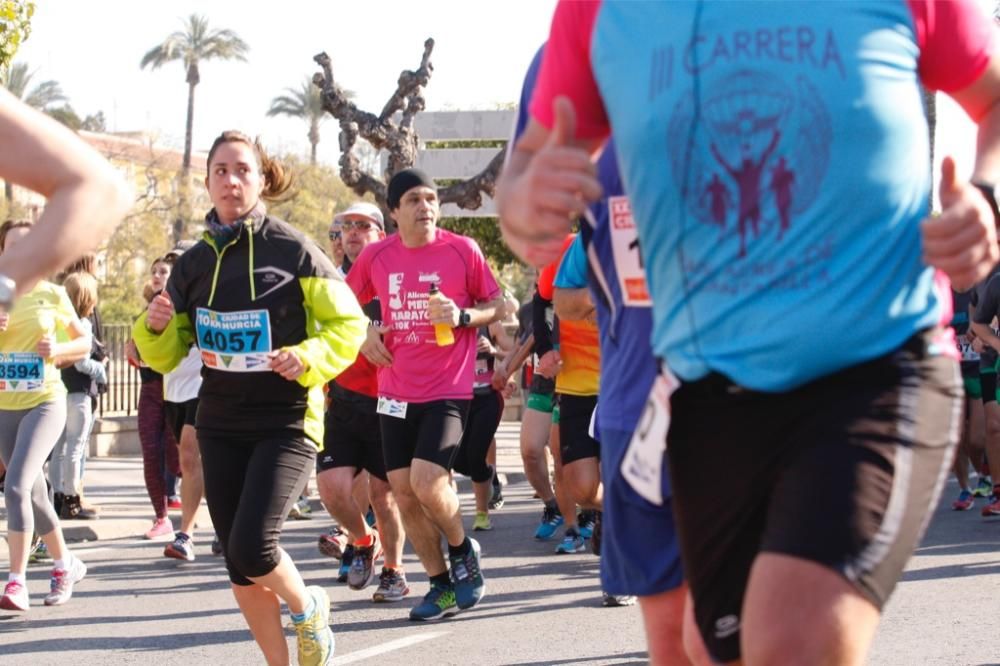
[962,240]
[442,310]
[46,346]
[538,205]
[978,345]
[549,364]
[484,346]
[499,379]
[374,349]
[4,319]
[509,389]
[132,354]
[287,364]
[160,312]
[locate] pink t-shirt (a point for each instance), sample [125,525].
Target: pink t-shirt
[401,277]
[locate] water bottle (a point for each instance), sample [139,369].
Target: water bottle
[442,332]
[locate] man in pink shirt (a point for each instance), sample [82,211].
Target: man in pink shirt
[424,387]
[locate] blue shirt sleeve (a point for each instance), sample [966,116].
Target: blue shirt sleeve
[572,273]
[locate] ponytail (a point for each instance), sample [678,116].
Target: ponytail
[277,180]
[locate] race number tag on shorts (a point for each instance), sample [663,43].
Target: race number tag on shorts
[628,259]
[234,341]
[642,465]
[968,353]
[21,372]
[390,407]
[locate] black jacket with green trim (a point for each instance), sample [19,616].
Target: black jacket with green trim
[268,266]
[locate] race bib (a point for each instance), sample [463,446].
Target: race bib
[642,465]
[234,341]
[968,353]
[390,407]
[628,258]
[22,372]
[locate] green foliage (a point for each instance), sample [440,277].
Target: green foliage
[465,143]
[15,26]
[316,194]
[486,232]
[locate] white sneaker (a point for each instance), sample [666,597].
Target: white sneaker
[62,582]
[15,597]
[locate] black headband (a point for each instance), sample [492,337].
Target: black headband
[403,182]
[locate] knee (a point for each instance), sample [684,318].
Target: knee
[252,555]
[333,488]
[428,485]
[381,493]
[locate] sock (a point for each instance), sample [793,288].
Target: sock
[309,610]
[183,535]
[15,578]
[64,563]
[365,542]
[398,568]
[441,580]
[461,549]
[551,504]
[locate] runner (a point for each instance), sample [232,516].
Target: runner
[425,382]
[792,424]
[41,331]
[971,448]
[352,445]
[274,322]
[986,302]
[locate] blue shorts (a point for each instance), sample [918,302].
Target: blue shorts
[639,550]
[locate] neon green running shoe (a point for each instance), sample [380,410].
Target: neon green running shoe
[438,602]
[482,522]
[315,638]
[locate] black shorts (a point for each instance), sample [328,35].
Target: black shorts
[351,438]
[431,431]
[844,471]
[180,414]
[575,442]
[481,425]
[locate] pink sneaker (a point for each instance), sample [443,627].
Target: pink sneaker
[15,597]
[162,527]
[174,504]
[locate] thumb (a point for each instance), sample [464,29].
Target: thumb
[383,329]
[563,122]
[949,188]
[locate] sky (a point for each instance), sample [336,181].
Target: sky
[93,50]
[481,51]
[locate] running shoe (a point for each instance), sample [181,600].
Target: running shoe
[180,548]
[333,542]
[571,543]
[174,503]
[552,520]
[585,523]
[992,507]
[15,597]
[345,563]
[314,636]
[595,539]
[467,576]
[496,499]
[216,546]
[62,582]
[482,523]
[301,510]
[39,553]
[965,501]
[984,487]
[438,602]
[391,586]
[616,600]
[161,528]
[362,570]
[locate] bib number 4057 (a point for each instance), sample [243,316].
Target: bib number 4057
[230,341]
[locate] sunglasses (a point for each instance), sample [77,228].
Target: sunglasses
[335,235]
[360,225]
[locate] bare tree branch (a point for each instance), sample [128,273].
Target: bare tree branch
[397,137]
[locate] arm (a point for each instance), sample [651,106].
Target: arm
[573,304]
[986,334]
[337,328]
[86,198]
[163,349]
[64,354]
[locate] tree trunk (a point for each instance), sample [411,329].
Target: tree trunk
[8,192]
[188,131]
[312,153]
[180,222]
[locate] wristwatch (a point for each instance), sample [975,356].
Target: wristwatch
[990,192]
[464,318]
[8,291]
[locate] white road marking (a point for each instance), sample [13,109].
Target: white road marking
[391,646]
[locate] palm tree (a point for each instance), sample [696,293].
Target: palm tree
[305,103]
[17,80]
[192,45]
